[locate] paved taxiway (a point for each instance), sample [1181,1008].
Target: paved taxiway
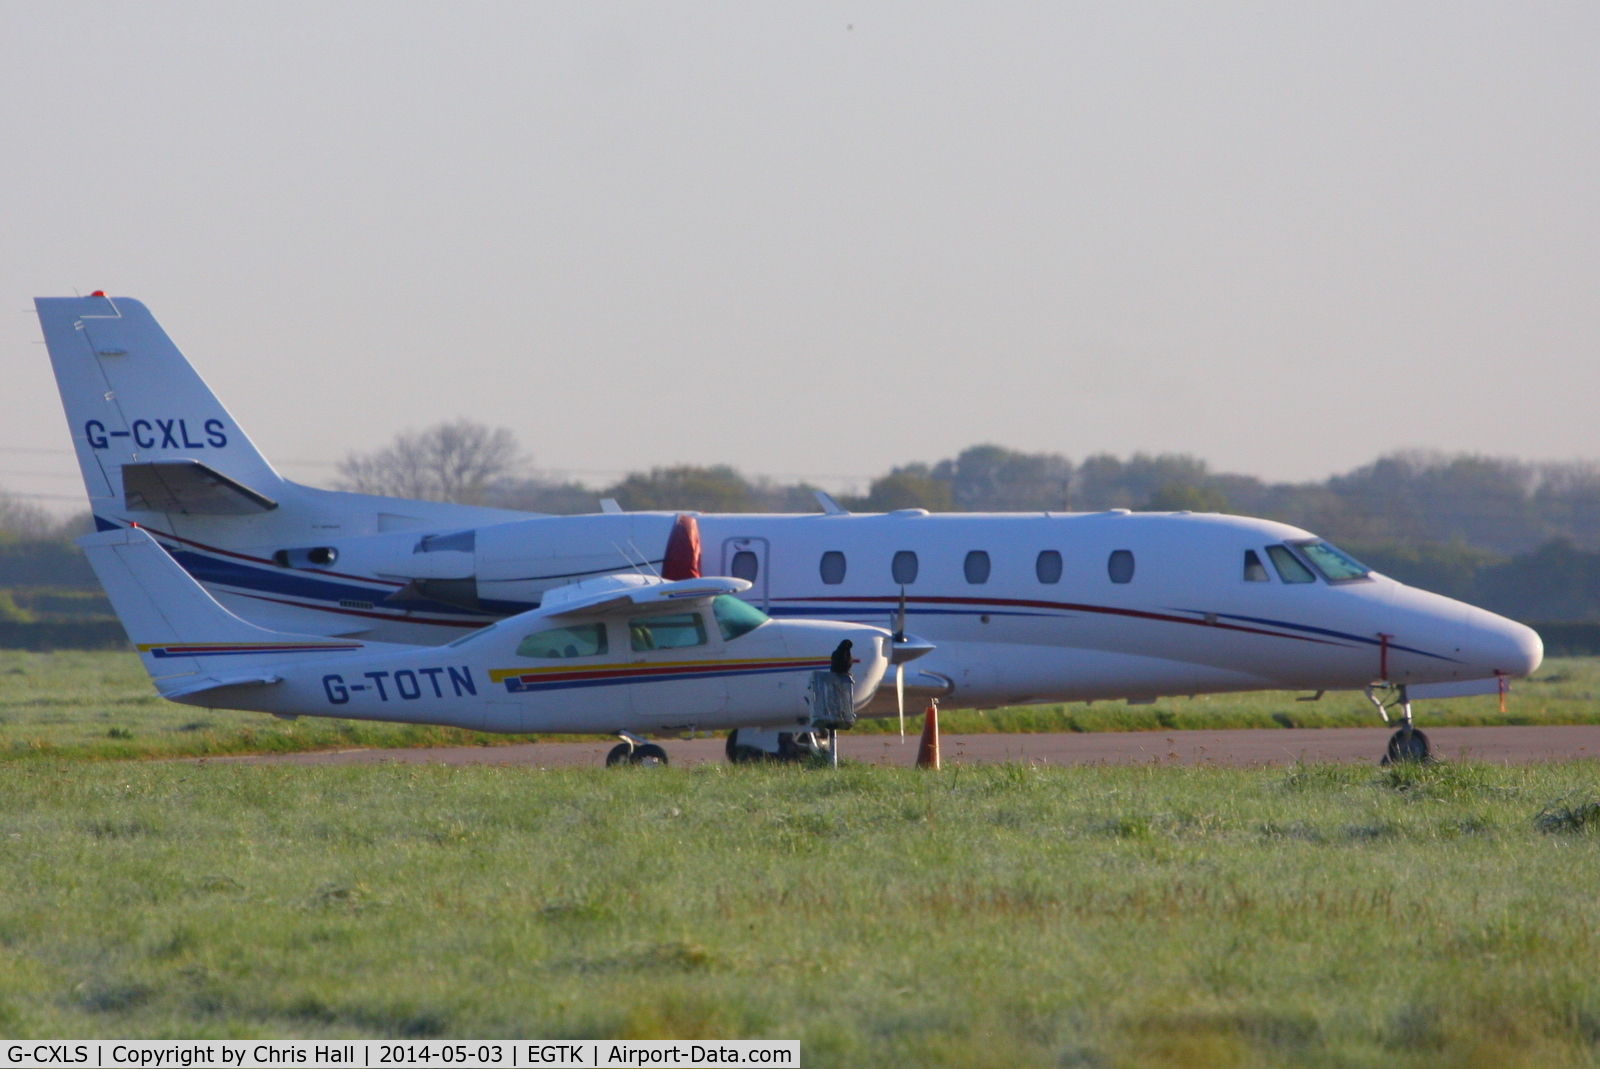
[1274,746]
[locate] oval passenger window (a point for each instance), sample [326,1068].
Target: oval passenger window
[904,568]
[1048,566]
[832,567]
[1120,566]
[745,566]
[976,567]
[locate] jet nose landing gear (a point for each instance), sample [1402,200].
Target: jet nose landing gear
[1407,744]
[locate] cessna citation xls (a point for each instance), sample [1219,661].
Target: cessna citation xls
[1019,607]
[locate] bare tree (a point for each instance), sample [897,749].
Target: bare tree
[456,461]
[24,521]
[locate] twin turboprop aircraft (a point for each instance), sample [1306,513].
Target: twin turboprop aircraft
[1019,607]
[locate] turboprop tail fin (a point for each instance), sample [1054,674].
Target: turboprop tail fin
[132,399]
[187,641]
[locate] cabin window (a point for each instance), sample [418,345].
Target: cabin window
[579,640]
[1120,566]
[1335,564]
[904,568]
[1254,570]
[832,567]
[1290,570]
[976,567]
[745,566]
[1048,566]
[736,617]
[676,632]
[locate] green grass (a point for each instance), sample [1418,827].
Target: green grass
[101,705]
[998,916]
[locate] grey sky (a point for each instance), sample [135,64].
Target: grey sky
[1285,237]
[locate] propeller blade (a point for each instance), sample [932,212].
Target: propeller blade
[900,619]
[900,696]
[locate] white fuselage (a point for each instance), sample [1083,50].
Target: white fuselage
[1185,622]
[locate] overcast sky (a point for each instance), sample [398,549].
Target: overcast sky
[823,238]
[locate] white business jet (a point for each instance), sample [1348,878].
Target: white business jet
[630,655]
[1023,607]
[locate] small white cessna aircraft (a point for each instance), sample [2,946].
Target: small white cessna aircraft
[628,655]
[1023,607]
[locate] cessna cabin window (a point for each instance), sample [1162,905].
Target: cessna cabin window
[1254,570]
[579,640]
[976,567]
[1335,564]
[745,566]
[736,617]
[1048,566]
[1290,570]
[832,567]
[1120,566]
[904,568]
[676,632]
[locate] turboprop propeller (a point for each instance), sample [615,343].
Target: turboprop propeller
[904,648]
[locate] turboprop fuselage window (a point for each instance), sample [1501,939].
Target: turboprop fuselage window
[1290,570]
[1335,564]
[976,567]
[736,617]
[1048,566]
[676,632]
[1254,570]
[1120,566]
[579,640]
[832,567]
[904,568]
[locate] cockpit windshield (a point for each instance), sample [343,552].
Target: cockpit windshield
[736,617]
[1335,564]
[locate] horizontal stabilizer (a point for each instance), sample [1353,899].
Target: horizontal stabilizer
[196,686]
[188,487]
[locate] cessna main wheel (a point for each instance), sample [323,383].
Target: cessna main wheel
[647,756]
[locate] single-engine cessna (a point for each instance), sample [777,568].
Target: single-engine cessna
[628,655]
[1022,607]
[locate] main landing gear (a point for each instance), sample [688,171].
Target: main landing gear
[750,745]
[633,750]
[1407,744]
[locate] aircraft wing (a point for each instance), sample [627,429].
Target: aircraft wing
[188,487]
[657,597]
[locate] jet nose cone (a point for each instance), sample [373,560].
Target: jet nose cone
[1507,647]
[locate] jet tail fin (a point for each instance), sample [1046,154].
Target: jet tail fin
[187,641]
[132,398]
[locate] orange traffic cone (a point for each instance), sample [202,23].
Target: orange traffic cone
[928,748]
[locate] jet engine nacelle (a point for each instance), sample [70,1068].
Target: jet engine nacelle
[505,566]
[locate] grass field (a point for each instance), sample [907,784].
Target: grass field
[1000,916]
[101,705]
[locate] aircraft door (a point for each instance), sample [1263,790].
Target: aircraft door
[675,662]
[746,558]
[564,678]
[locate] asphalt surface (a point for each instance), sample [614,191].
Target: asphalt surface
[1245,747]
